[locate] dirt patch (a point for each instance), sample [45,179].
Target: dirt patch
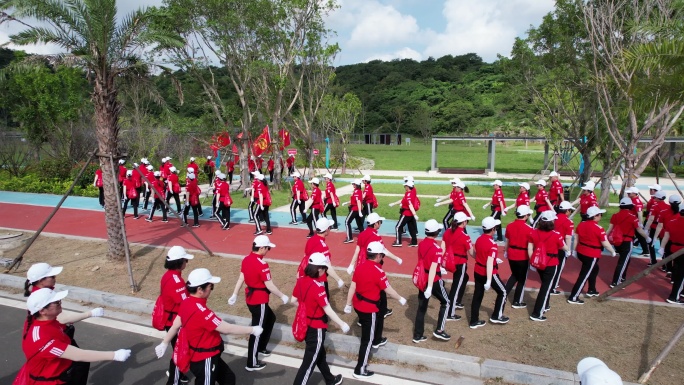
[626,336]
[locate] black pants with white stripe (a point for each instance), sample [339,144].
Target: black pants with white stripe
[369,331]
[449,216]
[251,209]
[458,286]
[158,203]
[134,203]
[260,215]
[311,220]
[410,222]
[499,231]
[333,212]
[175,376]
[588,272]
[294,207]
[353,216]
[518,276]
[651,247]
[223,214]
[195,214]
[212,370]
[176,198]
[677,278]
[624,254]
[439,292]
[314,356]
[263,316]
[500,302]
[546,277]
[213,205]
[367,208]
[562,258]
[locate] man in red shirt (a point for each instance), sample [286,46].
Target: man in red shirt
[458,243]
[256,275]
[588,243]
[299,196]
[159,188]
[624,224]
[364,293]
[262,198]
[674,238]
[498,205]
[408,215]
[315,203]
[355,210]
[541,200]
[486,276]
[515,249]
[566,227]
[369,200]
[556,190]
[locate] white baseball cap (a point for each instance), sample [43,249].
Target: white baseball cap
[222,176]
[43,297]
[259,176]
[523,210]
[565,205]
[144,161]
[328,175]
[164,159]
[217,172]
[432,226]
[208,156]
[459,184]
[296,174]
[374,218]
[135,164]
[455,180]
[594,211]
[366,178]
[460,217]
[589,186]
[41,270]
[490,223]
[675,199]
[525,185]
[632,190]
[593,371]
[192,158]
[178,252]
[655,187]
[626,201]
[191,170]
[357,182]
[548,216]
[129,172]
[660,194]
[199,277]
[263,241]
[376,248]
[540,182]
[315,181]
[409,183]
[497,183]
[190,176]
[173,169]
[324,223]
[318,259]
[122,161]
[150,167]
[553,173]
[157,173]
[409,177]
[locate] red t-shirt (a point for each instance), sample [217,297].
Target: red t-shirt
[315,244]
[175,186]
[370,279]
[224,193]
[298,186]
[270,165]
[131,192]
[518,234]
[317,197]
[675,227]
[199,325]
[485,248]
[122,173]
[194,167]
[627,221]
[657,210]
[553,241]
[664,217]
[160,186]
[290,161]
[523,199]
[540,201]
[564,225]
[252,165]
[409,196]
[355,196]
[650,204]
[458,243]
[256,272]
[173,292]
[369,195]
[365,237]
[193,189]
[260,163]
[98,178]
[590,235]
[330,192]
[638,205]
[150,177]
[498,200]
[211,164]
[556,192]
[136,177]
[431,252]
[263,190]
[586,201]
[230,166]
[43,347]
[458,199]
[312,293]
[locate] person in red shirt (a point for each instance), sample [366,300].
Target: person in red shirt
[137,178]
[674,240]
[270,166]
[369,200]
[541,199]
[193,166]
[290,164]
[430,252]
[552,241]
[626,224]
[310,291]
[586,199]
[515,250]
[252,166]
[332,201]
[299,196]
[41,276]
[588,243]
[97,182]
[192,197]
[215,188]
[202,329]
[408,215]
[566,227]
[486,276]
[121,176]
[253,197]
[457,203]
[317,244]
[498,205]
[556,190]
[652,190]
[665,217]
[458,243]
[148,186]
[256,275]
[230,169]
[633,194]
[315,203]
[652,223]
[224,202]
[51,359]
[368,282]
[523,198]
[260,164]
[174,189]
[210,170]
[355,210]
[263,202]
[159,189]
[131,194]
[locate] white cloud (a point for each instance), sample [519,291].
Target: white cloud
[382,25]
[404,53]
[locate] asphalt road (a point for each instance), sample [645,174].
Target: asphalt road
[143,368]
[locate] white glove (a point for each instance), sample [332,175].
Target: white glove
[97,312]
[443,270]
[256,331]
[161,349]
[485,206]
[503,213]
[360,214]
[436,204]
[345,327]
[661,252]
[347,309]
[399,261]
[340,283]
[574,254]
[428,292]
[532,268]
[416,216]
[649,240]
[402,301]
[613,254]
[122,355]
[499,260]
[285,299]
[506,254]
[488,285]
[232,300]
[472,218]
[261,207]
[439,200]
[391,204]
[350,269]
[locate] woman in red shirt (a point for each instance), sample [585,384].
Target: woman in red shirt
[159,187]
[193,192]
[523,198]
[553,243]
[173,188]
[515,250]
[665,216]
[674,240]
[586,199]
[458,243]
[130,192]
[408,216]
[498,205]
[315,202]
[369,200]
[486,276]
[97,182]
[624,224]
[541,199]
[299,196]
[355,210]
[310,291]
[262,196]
[457,203]
[331,199]
[224,201]
[566,227]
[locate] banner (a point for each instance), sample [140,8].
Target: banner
[235,153]
[284,138]
[262,142]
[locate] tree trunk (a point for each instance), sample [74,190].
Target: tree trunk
[107,111]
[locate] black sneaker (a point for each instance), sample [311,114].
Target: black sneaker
[148,220]
[501,321]
[335,228]
[592,294]
[395,244]
[212,217]
[269,232]
[388,313]
[136,217]
[251,221]
[363,375]
[441,335]
[382,342]
[668,274]
[458,305]
[260,365]
[519,305]
[412,245]
[348,241]
[575,302]
[165,220]
[226,227]
[259,232]
[337,380]
[547,308]
[265,353]
[453,317]
[195,225]
[419,339]
[477,324]
[293,223]
[538,318]
[555,292]
[677,302]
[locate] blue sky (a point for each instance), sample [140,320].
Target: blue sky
[415,29]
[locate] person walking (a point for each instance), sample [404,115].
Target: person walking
[256,275]
[202,329]
[457,203]
[215,189]
[621,231]
[457,243]
[159,192]
[566,227]
[131,193]
[210,170]
[316,244]
[556,190]
[355,210]
[270,166]
[224,200]
[430,254]
[41,276]
[51,358]
[515,250]
[230,169]
[652,223]
[290,164]
[252,206]
[97,182]
[589,240]
[122,177]
[174,188]
[674,240]
[192,194]
[193,166]
[332,201]
[368,282]
[299,196]
[370,202]
[263,202]
[498,205]
[638,210]
[665,217]
[310,291]
[523,198]
[408,215]
[315,203]
[586,200]
[148,186]
[545,239]
[541,200]
[486,276]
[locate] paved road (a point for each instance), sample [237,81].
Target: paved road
[142,368]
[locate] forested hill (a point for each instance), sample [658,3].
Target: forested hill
[450,95]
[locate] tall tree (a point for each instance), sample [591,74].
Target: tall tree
[107,49]
[339,115]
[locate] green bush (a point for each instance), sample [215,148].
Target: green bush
[88,175]
[51,169]
[33,183]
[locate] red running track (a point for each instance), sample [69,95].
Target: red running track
[290,245]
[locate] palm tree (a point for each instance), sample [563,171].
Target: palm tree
[108,49]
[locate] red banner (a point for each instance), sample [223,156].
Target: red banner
[262,142]
[235,153]
[223,140]
[284,138]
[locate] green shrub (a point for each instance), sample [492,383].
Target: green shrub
[50,169]
[88,175]
[32,183]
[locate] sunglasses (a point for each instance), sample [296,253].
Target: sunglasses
[58,303]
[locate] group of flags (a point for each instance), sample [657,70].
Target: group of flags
[260,145]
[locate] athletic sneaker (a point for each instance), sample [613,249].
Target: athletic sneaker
[212,217]
[363,375]
[519,305]
[383,342]
[165,220]
[538,318]
[195,225]
[502,320]
[265,353]
[293,223]
[453,317]
[259,232]
[395,244]
[458,305]
[136,217]
[592,294]
[226,227]
[148,220]
[269,232]
[477,324]
[348,241]
[388,313]
[678,302]
[555,292]
[337,380]
[419,339]
[441,335]
[251,221]
[260,365]
[575,302]
[412,245]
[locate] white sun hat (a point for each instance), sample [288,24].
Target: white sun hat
[41,270]
[43,297]
[199,277]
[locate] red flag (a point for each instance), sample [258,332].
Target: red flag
[223,140]
[262,142]
[284,138]
[214,149]
[235,153]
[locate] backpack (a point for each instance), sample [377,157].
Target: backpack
[194,200]
[301,322]
[449,261]
[540,258]
[416,204]
[131,193]
[302,266]
[420,276]
[616,236]
[158,314]
[181,352]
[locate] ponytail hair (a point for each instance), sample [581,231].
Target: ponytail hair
[674,206]
[27,285]
[29,320]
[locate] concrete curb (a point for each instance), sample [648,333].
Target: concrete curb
[440,363]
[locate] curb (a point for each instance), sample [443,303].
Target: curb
[440,363]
